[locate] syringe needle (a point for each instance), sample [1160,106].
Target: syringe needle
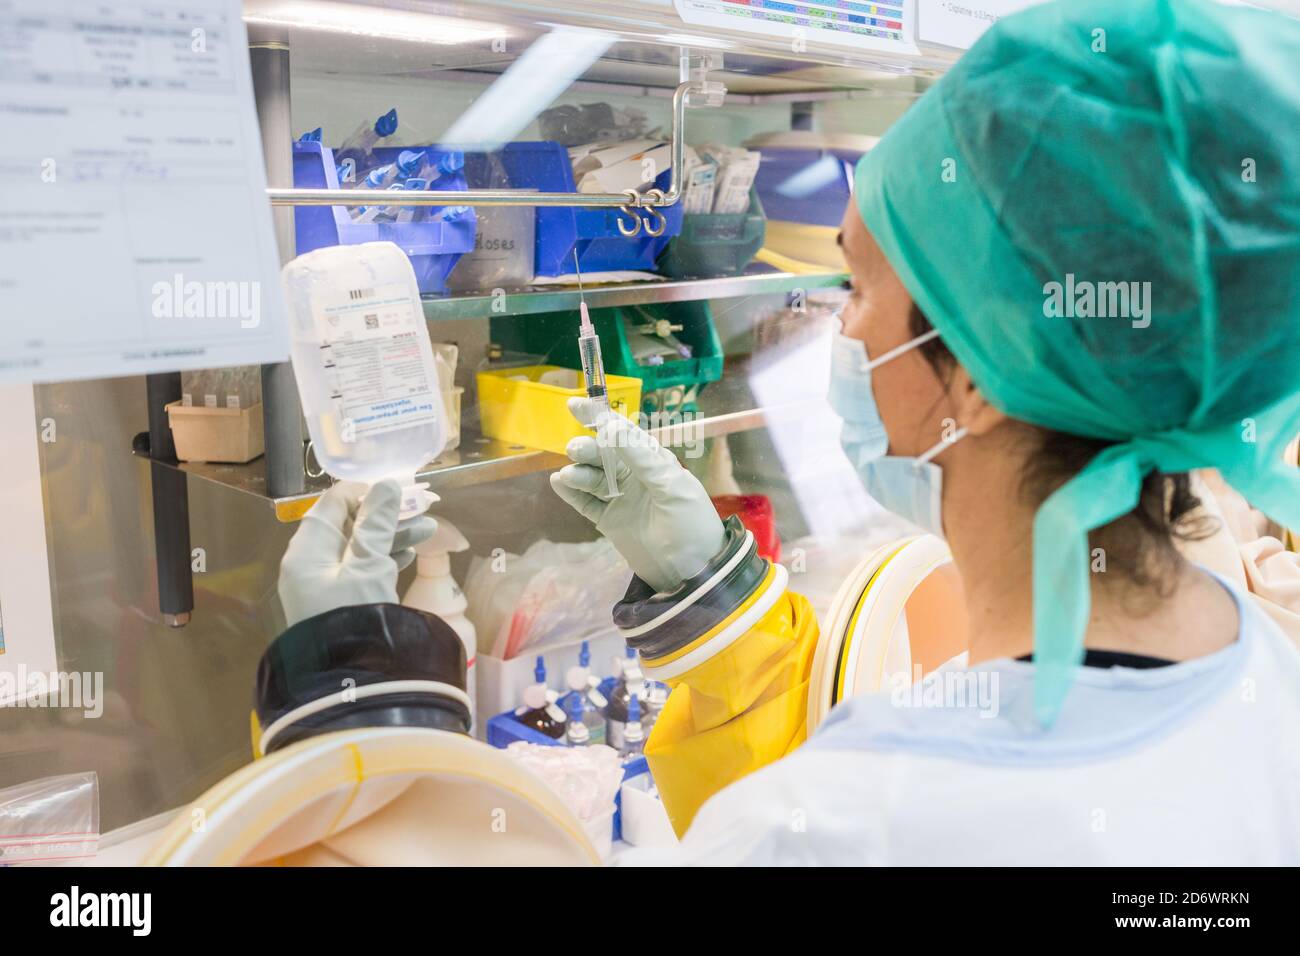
[593,372]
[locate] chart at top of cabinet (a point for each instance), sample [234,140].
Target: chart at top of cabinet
[134,229]
[886,26]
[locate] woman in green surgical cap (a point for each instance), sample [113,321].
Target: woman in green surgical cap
[1076,279]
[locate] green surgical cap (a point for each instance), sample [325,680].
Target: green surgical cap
[1098,208]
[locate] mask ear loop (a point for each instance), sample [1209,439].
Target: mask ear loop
[925,456]
[902,349]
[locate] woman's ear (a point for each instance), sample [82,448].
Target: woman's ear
[971,411]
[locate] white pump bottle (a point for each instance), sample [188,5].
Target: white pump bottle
[436,591]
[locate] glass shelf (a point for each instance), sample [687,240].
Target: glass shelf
[757,280]
[476,460]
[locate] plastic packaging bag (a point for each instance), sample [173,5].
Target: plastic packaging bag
[53,821]
[571,125]
[239,387]
[552,593]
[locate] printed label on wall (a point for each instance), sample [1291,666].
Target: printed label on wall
[886,26]
[959,23]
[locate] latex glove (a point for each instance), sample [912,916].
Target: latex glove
[342,553]
[663,524]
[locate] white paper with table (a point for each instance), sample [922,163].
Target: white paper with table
[135,233]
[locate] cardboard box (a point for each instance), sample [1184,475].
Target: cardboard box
[228,435]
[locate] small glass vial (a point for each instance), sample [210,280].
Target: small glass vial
[576,734]
[633,736]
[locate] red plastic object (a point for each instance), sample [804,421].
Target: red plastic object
[756,514]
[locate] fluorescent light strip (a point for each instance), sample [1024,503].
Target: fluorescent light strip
[382,22]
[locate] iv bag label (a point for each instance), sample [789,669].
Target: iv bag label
[371,348]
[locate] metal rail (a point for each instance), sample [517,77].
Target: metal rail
[651,198]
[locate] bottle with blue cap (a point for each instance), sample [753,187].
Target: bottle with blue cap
[576,733]
[538,711]
[629,686]
[654,699]
[633,734]
[586,697]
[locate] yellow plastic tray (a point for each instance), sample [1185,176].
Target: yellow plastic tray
[525,411]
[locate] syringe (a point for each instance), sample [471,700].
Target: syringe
[593,371]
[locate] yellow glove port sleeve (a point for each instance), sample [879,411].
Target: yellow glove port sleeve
[736,712]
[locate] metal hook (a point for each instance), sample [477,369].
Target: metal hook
[309,456]
[655,196]
[635,229]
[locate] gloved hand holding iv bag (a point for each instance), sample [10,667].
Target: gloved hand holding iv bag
[347,551]
[663,523]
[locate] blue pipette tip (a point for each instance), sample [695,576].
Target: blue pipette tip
[386,125]
[584,655]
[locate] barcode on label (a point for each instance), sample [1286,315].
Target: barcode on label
[355,294]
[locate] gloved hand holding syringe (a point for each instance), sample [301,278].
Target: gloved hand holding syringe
[593,372]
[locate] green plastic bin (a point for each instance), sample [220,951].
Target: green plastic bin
[715,245]
[554,335]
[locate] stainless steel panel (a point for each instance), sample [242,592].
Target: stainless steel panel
[176,708]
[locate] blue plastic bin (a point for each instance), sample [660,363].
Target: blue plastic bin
[545,166]
[503,730]
[433,247]
[805,185]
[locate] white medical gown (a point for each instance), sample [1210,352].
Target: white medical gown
[1195,763]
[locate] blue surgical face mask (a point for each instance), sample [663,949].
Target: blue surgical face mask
[911,488]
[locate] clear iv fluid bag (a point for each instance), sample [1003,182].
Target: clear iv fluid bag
[361,355]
